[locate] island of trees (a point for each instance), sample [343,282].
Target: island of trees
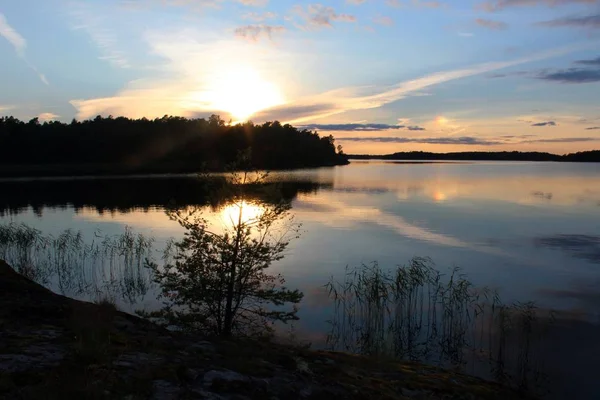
[585,156]
[163,145]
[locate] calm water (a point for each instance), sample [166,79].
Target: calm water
[532,230]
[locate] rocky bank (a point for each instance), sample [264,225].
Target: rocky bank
[53,347]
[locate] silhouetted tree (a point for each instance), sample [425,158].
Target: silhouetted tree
[167,144]
[219,283]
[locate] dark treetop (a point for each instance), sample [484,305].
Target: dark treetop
[586,156]
[163,145]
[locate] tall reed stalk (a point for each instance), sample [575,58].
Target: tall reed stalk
[108,266]
[415,312]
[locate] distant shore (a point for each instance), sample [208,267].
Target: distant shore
[585,156]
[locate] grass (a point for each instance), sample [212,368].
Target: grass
[416,313]
[108,266]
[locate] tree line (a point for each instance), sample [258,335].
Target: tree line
[584,156]
[167,144]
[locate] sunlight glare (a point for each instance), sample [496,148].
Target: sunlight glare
[240,91]
[250,213]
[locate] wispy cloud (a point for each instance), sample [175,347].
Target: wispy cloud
[355,2]
[254,3]
[393,3]
[360,127]
[572,75]
[463,140]
[546,123]
[427,4]
[48,116]
[354,98]
[595,61]
[13,37]
[256,32]
[490,24]
[317,16]
[498,5]
[4,108]
[563,140]
[383,20]
[19,43]
[507,74]
[199,75]
[259,17]
[92,23]
[588,21]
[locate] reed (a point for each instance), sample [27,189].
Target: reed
[415,312]
[109,266]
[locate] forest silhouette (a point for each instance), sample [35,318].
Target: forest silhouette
[162,145]
[584,156]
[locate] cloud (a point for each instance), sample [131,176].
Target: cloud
[48,116]
[592,128]
[427,4]
[13,37]
[197,67]
[595,61]
[547,123]
[562,140]
[259,17]
[254,3]
[355,2]
[493,25]
[572,75]
[393,3]
[498,5]
[4,108]
[89,21]
[20,44]
[507,74]
[589,21]
[382,20]
[317,16]
[359,98]
[199,73]
[464,140]
[360,127]
[256,32]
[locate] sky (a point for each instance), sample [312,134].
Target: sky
[379,75]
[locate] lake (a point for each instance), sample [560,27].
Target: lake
[530,230]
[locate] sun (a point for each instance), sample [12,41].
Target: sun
[441,120]
[240,91]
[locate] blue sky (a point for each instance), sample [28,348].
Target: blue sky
[380,75]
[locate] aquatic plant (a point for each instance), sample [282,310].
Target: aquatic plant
[108,266]
[417,313]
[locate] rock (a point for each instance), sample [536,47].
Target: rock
[226,376]
[306,392]
[203,346]
[191,374]
[165,390]
[302,366]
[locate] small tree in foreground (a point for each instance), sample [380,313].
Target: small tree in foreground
[219,282]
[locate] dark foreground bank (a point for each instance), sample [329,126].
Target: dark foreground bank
[54,347]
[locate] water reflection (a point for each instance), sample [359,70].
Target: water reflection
[125,195]
[528,229]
